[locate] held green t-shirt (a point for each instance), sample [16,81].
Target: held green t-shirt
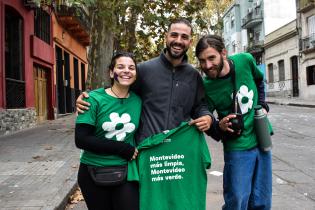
[172,170]
[114,119]
[219,95]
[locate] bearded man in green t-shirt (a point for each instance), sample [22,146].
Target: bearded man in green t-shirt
[230,80]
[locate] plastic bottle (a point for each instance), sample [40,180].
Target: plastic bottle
[261,129]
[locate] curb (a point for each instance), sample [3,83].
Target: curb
[60,201]
[291,104]
[62,205]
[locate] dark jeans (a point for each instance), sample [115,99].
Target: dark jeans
[247,180]
[121,197]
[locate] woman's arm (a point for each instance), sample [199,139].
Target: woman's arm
[85,139]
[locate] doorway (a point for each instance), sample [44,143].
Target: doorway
[295,76]
[40,88]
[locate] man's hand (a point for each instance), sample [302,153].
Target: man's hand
[135,154]
[265,111]
[203,123]
[225,123]
[81,104]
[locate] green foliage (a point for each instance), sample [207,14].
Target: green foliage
[154,20]
[139,26]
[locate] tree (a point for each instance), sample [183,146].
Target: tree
[209,21]
[154,21]
[213,16]
[139,26]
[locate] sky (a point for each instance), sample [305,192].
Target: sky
[278,13]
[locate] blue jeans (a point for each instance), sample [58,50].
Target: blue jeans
[247,180]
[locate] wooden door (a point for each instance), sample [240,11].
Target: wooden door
[40,87]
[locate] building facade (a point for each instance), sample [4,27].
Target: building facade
[282,62]
[306,30]
[71,37]
[26,65]
[285,55]
[43,62]
[232,29]
[244,28]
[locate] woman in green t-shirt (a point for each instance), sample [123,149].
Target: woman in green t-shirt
[105,133]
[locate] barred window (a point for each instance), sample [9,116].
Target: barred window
[310,75]
[42,25]
[281,70]
[270,73]
[14,71]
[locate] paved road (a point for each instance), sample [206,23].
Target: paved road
[293,157]
[293,161]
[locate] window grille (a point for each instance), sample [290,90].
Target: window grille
[42,25]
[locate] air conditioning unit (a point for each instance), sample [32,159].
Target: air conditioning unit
[250,10]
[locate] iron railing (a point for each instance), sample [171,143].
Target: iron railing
[252,19]
[255,46]
[308,42]
[74,11]
[15,93]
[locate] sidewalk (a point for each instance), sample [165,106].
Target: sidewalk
[291,102]
[38,166]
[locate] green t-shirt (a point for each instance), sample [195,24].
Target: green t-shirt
[171,169]
[114,119]
[219,95]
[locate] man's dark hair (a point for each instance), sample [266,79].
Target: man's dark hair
[181,20]
[206,41]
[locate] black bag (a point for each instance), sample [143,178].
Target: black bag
[109,175]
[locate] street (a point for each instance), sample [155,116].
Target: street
[293,161]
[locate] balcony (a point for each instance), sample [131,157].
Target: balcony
[75,20]
[252,19]
[306,5]
[307,44]
[255,46]
[30,4]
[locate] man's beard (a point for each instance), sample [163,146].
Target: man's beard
[218,68]
[173,55]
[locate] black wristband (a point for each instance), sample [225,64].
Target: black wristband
[127,152]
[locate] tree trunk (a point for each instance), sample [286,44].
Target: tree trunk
[100,50]
[131,30]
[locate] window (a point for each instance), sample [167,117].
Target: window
[232,22]
[83,77]
[14,71]
[310,75]
[281,70]
[311,30]
[257,35]
[233,47]
[42,25]
[311,25]
[226,28]
[270,73]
